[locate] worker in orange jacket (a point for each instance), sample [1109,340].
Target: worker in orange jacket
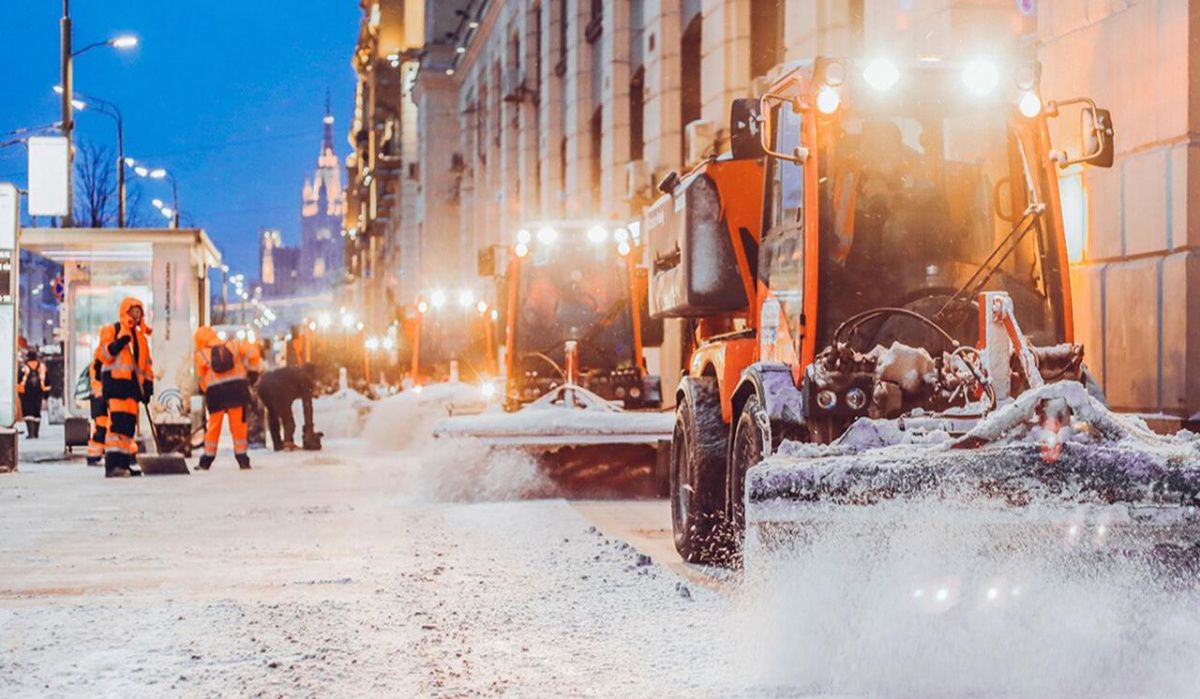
[99,411]
[299,351]
[126,378]
[221,372]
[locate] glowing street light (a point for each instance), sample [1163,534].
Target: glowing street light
[438,298]
[324,320]
[158,173]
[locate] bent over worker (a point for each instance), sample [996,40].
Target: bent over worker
[279,389]
[126,379]
[221,372]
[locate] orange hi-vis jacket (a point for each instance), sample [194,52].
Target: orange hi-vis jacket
[252,357]
[222,389]
[129,372]
[95,374]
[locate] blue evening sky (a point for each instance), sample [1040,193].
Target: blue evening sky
[226,94]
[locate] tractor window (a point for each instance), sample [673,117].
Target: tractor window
[787,178]
[573,292]
[781,256]
[914,203]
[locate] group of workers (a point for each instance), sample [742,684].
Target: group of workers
[227,370]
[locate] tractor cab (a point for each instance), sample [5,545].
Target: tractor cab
[450,337]
[912,187]
[573,290]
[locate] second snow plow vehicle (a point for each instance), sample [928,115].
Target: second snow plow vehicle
[877,276]
[578,390]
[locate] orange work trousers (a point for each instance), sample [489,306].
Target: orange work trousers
[238,429]
[95,447]
[122,426]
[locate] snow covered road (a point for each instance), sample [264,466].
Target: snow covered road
[318,575]
[366,572]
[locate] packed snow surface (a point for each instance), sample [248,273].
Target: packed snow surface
[398,565]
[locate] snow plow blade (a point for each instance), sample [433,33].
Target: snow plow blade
[1055,465]
[583,444]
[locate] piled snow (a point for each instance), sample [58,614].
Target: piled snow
[1026,558]
[917,603]
[340,415]
[406,420]
[458,470]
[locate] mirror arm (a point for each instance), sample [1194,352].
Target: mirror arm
[800,155]
[1060,156]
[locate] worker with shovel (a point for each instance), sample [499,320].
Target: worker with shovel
[126,378]
[221,372]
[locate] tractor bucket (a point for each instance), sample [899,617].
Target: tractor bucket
[587,446]
[1054,473]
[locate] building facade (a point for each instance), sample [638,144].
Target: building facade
[532,109]
[382,195]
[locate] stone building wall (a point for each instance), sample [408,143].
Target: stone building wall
[532,153]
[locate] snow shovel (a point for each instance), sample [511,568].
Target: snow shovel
[168,461]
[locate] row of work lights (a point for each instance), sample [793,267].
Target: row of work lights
[597,234]
[980,77]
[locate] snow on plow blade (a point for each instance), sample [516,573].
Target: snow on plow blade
[1055,466]
[585,445]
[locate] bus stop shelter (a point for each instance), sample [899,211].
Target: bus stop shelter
[168,269]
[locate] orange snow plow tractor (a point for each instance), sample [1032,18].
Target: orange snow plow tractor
[450,334]
[877,278]
[578,391]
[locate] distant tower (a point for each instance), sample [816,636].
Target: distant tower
[270,240]
[321,214]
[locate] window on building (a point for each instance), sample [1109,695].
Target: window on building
[562,165]
[597,145]
[637,115]
[563,25]
[689,95]
[766,35]
[537,48]
[595,24]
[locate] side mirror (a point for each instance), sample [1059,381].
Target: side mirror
[667,185]
[490,261]
[1096,135]
[745,127]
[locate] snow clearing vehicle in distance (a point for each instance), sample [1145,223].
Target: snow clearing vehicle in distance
[877,278]
[578,391]
[450,338]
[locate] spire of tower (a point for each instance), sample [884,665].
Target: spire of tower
[327,146]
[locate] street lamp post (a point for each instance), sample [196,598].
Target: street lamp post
[68,123]
[67,80]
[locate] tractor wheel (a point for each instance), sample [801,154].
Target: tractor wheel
[698,473]
[751,444]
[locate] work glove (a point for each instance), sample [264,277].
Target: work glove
[118,344]
[147,391]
